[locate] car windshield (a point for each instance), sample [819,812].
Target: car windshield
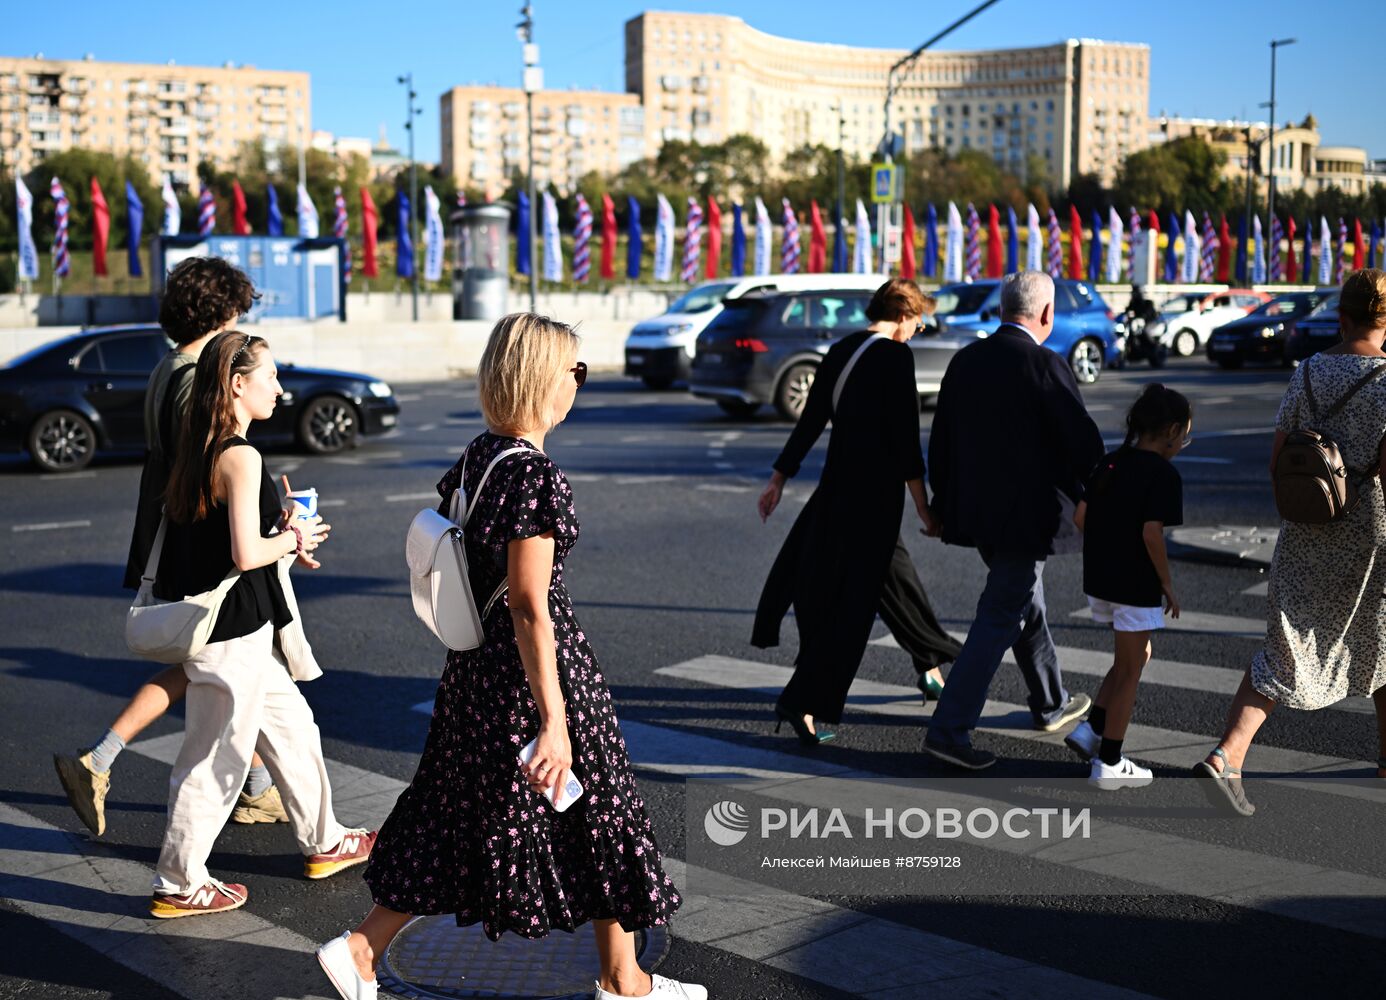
[699,299]
[964,299]
[35,352]
[1183,303]
[1329,304]
[1285,305]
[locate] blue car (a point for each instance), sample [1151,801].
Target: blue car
[1084,326]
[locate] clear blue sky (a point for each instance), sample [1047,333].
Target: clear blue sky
[1209,57]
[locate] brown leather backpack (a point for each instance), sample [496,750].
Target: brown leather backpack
[1313,485]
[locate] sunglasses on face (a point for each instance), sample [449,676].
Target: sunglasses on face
[579,373]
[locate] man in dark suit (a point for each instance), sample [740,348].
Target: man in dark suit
[1010,435]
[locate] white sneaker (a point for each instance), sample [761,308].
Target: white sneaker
[1123,774]
[335,959]
[1083,741]
[662,989]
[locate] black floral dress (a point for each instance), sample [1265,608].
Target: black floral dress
[468,836]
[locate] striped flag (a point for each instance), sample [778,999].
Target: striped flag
[339,230]
[1209,259]
[1055,262]
[582,239]
[62,262]
[1342,250]
[762,238]
[1258,252]
[972,270]
[664,239]
[692,241]
[1325,252]
[789,249]
[1275,274]
[1134,218]
[173,214]
[206,213]
[1034,257]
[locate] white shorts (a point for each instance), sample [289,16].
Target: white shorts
[1126,617]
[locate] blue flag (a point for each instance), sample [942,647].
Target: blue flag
[522,234]
[274,224]
[738,260]
[1094,251]
[930,242]
[134,214]
[404,253]
[1241,252]
[1371,247]
[839,241]
[1308,250]
[1171,258]
[635,241]
[1012,241]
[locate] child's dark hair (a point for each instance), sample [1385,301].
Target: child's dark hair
[1156,409]
[202,294]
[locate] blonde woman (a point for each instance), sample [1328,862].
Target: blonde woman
[474,835]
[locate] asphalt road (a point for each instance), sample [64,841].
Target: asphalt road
[666,577]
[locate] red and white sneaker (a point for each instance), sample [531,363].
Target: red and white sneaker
[355,849]
[210,897]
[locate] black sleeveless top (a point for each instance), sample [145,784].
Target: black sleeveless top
[197,557]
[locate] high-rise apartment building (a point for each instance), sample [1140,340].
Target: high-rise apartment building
[170,117]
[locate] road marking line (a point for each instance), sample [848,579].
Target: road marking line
[332,503]
[408,397]
[426,428]
[401,497]
[723,465]
[584,477]
[1261,589]
[1200,621]
[48,477]
[722,488]
[1216,400]
[1204,459]
[50,526]
[633,480]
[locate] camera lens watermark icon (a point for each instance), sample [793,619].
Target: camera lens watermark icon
[727,824]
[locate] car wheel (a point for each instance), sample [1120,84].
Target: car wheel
[62,441]
[793,390]
[657,382]
[328,424]
[738,408]
[1229,363]
[1085,360]
[1185,343]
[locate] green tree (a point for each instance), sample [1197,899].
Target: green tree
[75,168]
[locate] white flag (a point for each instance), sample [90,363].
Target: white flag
[553,248]
[664,240]
[763,238]
[1115,257]
[953,250]
[1258,249]
[307,215]
[173,215]
[1034,256]
[433,235]
[1193,250]
[28,253]
[1325,253]
[861,252]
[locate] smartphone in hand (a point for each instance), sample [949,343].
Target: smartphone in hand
[569,788]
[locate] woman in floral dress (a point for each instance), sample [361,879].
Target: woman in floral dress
[1326,610]
[474,835]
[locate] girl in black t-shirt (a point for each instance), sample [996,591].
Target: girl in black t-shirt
[1131,497]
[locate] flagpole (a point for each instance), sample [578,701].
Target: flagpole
[409,112]
[533,79]
[302,166]
[1270,193]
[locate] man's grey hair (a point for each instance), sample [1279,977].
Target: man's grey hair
[1025,294]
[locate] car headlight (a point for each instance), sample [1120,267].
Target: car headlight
[381,389]
[1267,332]
[679,329]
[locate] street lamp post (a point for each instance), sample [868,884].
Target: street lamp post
[1270,192]
[841,173]
[533,80]
[410,112]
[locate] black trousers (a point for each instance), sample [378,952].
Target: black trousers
[906,611]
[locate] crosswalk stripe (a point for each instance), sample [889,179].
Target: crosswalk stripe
[1261,589]
[1203,621]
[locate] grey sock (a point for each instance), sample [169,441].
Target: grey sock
[258,781]
[103,755]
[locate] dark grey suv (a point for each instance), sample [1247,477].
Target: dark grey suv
[766,348]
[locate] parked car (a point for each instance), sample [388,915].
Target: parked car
[68,399]
[1191,317]
[1261,335]
[766,346]
[660,350]
[1314,332]
[1084,327]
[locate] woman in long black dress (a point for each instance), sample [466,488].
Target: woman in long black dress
[838,555]
[473,834]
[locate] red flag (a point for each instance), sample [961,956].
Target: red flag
[907,261]
[370,218]
[1359,249]
[818,240]
[240,226]
[714,238]
[608,238]
[1154,222]
[1224,250]
[995,267]
[100,228]
[1291,268]
[1075,244]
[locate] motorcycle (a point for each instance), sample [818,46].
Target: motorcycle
[1145,339]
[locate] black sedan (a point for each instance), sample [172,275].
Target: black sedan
[1315,332]
[1262,334]
[66,400]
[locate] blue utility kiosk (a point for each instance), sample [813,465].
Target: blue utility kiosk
[296,278]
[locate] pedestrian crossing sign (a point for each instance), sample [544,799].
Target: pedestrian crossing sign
[883,177]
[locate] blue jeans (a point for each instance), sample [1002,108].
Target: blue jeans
[1010,615]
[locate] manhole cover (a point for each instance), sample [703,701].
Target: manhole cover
[433,957]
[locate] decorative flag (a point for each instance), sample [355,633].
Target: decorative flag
[861,250]
[433,232]
[1308,262]
[608,238]
[1171,257]
[308,216]
[635,241]
[1075,244]
[818,239]
[553,250]
[738,248]
[62,210]
[1291,264]
[173,214]
[1325,253]
[1342,250]
[1095,251]
[404,240]
[839,238]
[134,225]
[995,264]
[339,230]
[930,241]
[1012,241]
[692,241]
[1273,270]
[24,216]
[1258,255]
[953,249]
[789,248]
[1055,260]
[522,247]
[1115,256]
[206,213]
[370,222]
[1243,260]
[274,219]
[907,262]
[664,239]
[1208,259]
[714,239]
[101,229]
[1376,241]
[1193,256]
[1136,238]
[1359,251]
[1034,257]
[762,238]
[973,269]
[1224,250]
[239,224]
[582,237]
